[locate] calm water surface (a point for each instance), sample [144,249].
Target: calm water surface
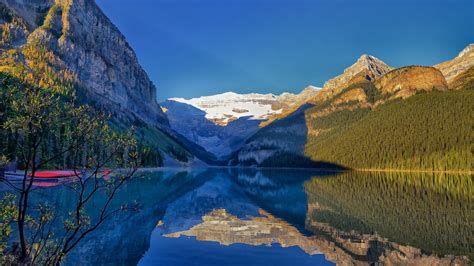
[280,217]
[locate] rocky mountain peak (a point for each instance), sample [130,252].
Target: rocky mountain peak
[371,66]
[468,51]
[458,65]
[371,63]
[311,89]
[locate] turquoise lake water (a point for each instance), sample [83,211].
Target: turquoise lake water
[277,217]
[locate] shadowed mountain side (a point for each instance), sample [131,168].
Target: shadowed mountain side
[278,192]
[353,218]
[280,144]
[256,207]
[191,122]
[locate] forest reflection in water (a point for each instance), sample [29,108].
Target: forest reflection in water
[348,218]
[376,216]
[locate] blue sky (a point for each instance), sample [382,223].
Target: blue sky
[192,48]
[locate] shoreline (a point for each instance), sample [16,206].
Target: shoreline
[412,171]
[314,169]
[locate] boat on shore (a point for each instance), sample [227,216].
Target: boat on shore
[50,175]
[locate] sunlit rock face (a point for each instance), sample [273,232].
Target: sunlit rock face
[407,81]
[461,63]
[86,43]
[370,66]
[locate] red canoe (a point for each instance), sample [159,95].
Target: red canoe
[61,174]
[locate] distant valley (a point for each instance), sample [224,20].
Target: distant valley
[222,123]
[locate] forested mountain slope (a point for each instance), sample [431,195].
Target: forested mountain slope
[404,118]
[70,45]
[429,131]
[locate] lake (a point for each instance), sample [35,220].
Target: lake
[220,216]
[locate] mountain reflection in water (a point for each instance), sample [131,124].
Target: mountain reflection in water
[282,217]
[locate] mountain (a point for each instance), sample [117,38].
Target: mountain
[463,81]
[366,67]
[451,69]
[222,123]
[280,143]
[287,136]
[428,131]
[227,107]
[291,102]
[85,42]
[71,43]
[219,140]
[373,116]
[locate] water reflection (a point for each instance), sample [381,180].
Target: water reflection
[348,218]
[384,216]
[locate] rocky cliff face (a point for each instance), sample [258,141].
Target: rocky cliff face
[64,44]
[84,41]
[371,66]
[407,81]
[458,65]
[463,81]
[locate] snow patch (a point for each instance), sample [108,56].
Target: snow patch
[227,107]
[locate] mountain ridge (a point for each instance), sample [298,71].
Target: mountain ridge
[71,45]
[371,66]
[366,96]
[458,65]
[220,133]
[226,107]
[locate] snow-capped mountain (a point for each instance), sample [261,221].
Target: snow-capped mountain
[222,123]
[224,108]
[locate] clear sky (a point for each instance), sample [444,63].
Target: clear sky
[193,48]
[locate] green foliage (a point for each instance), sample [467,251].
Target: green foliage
[43,128]
[8,213]
[54,12]
[34,64]
[429,131]
[431,211]
[155,140]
